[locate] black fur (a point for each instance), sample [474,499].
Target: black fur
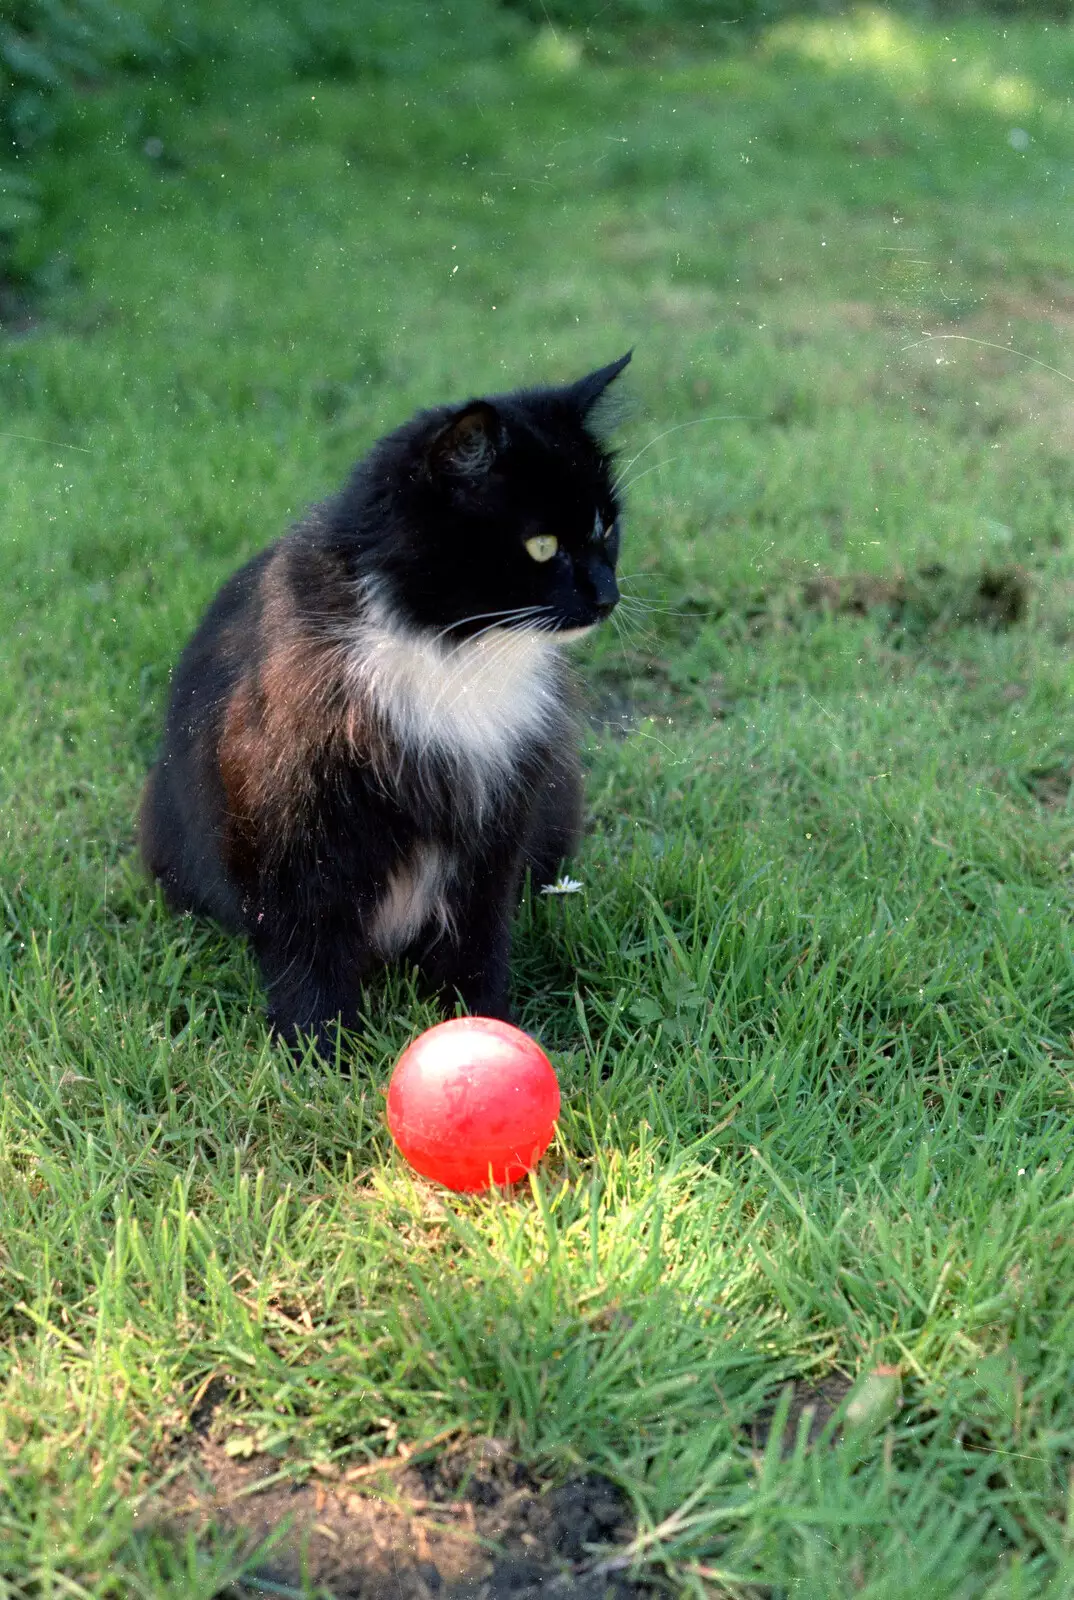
[314,791]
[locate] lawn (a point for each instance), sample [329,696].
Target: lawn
[798,1275]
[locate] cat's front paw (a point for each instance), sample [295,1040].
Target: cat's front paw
[328,1037]
[497,1006]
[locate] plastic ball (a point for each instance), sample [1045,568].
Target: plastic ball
[473,1102]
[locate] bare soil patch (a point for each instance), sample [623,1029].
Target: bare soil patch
[928,601]
[1049,301]
[471,1523]
[995,597]
[1050,786]
[816,1402]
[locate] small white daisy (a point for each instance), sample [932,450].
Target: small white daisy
[563,886]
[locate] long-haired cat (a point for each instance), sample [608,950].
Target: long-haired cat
[369,738]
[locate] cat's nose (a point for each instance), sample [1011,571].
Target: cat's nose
[605,590]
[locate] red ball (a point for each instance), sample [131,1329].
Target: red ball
[473,1102]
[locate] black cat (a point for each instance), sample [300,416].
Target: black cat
[369,739]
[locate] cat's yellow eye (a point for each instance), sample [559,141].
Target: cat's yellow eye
[542,547]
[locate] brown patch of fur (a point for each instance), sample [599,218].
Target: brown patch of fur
[238,760]
[300,690]
[281,716]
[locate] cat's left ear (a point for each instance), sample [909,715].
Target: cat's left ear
[588,390]
[467,446]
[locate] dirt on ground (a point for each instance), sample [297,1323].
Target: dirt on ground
[469,1523]
[1051,786]
[996,597]
[812,1405]
[461,1519]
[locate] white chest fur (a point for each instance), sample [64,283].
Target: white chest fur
[474,702]
[416,896]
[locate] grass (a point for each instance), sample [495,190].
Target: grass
[813,1015]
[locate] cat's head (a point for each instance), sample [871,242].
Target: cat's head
[498,513]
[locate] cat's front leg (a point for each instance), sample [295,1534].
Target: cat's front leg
[483,978]
[554,824]
[474,964]
[313,974]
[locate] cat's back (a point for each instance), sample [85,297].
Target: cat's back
[224,640]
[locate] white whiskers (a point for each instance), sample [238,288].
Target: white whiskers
[694,422]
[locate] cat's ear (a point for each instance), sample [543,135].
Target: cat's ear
[588,390]
[468,444]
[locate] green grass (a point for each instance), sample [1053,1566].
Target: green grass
[813,1015]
